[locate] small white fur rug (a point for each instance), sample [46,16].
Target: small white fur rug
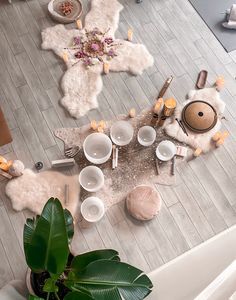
[82,85]
[32,190]
[197,140]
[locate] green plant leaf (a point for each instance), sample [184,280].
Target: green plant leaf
[69,224]
[50,286]
[78,295]
[46,240]
[31,297]
[110,279]
[81,261]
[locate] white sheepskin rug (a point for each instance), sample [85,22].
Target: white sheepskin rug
[197,140]
[82,85]
[32,190]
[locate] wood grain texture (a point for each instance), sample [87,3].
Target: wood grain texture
[201,205]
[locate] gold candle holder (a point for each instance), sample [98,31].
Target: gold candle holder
[169,107]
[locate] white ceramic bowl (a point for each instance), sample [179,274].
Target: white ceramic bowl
[92,209]
[121,133]
[166,150]
[91,179]
[146,136]
[97,148]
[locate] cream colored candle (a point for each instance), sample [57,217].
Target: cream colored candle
[79,24]
[130,35]
[106,68]
[197,152]
[132,113]
[216,136]
[65,57]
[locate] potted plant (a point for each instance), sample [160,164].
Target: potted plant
[57,275]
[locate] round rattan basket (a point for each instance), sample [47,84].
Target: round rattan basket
[58,16]
[199,116]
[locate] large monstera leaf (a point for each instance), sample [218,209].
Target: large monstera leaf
[111,279]
[81,261]
[46,239]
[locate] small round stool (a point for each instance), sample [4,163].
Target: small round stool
[143,203]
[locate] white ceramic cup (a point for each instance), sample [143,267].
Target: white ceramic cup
[92,209]
[166,150]
[91,179]
[146,136]
[97,148]
[121,133]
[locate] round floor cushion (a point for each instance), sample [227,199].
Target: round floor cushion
[143,202]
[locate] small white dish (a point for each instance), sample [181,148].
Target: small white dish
[91,178]
[97,148]
[121,133]
[166,150]
[92,209]
[146,136]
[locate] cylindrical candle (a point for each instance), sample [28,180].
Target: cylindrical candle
[106,68]
[216,136]
[197,152]
[169,107]
[65,57]
[132,113]
[79,24]
[130,35]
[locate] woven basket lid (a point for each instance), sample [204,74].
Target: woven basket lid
[199,116]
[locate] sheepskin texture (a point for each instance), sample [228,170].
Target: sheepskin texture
[32,190]
[82,85]
[197,140]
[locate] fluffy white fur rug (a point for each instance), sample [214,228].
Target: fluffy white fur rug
[82,85]
[196,140]
[32,190]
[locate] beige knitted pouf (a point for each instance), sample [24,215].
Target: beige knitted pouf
[143,202]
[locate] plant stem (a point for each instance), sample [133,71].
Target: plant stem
[57,296]
[48,295]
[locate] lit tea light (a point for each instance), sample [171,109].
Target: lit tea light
[169,107]
[130,35]
[79,24]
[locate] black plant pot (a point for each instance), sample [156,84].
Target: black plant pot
[37,281]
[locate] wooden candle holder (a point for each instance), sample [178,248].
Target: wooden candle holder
[169,107]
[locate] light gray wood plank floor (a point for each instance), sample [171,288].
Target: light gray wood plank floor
[200,206]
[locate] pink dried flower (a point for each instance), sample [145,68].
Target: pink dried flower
[95,47]
[77,40]
[111,53]
[108,40]
[79,54]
